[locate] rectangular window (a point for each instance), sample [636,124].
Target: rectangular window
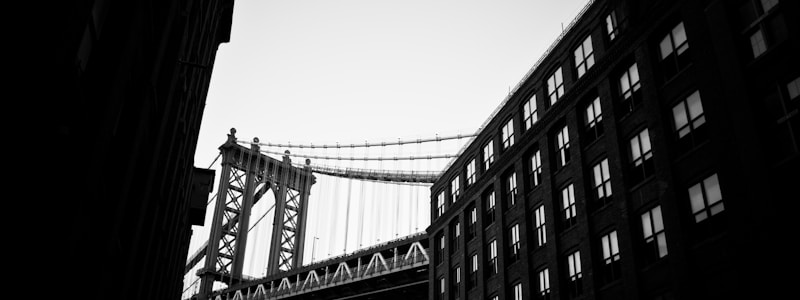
[518,291]
[530,112]
[762,25]
[584,56]
[541,234]
[641,156]
[593,120]
[440,204]
[455,283]
[491,250]
[536,169]
[555,86]
[655,241]
[544,284]
[793,88]
[673,49]
[602,184]
[490,208]
[568,201]
[439,248]
[575,280]
[611,26]
[473,221]
[513,243]
[611,265]
[706,198]
[629,90]
[488,155]
[471,172]
[455,236]
[473,271]
[562,144]
[508,134]
[511,190]
[455,188]
[688,116]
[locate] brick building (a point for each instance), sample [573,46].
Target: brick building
[650,154]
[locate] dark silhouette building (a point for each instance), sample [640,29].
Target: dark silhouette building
[652,153]
[125,85]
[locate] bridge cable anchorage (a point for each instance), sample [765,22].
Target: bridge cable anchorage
[381,144]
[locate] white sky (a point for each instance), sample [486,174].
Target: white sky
[349,71]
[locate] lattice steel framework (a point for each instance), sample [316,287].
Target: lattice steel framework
[246,176]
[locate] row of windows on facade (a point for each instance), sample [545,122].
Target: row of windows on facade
[687,114]
[629,86]
[705,200]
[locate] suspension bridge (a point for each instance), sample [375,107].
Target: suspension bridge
[369,220]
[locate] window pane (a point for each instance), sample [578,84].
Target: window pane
[757,43]
[648,231]
[634,70]
[587,45]
[635,151]
[695,106]
[614,243]
[658,223]
[794,88]
[606,247]
[768,4]
[696,198]
[665,47]
[662,245]
[679,34]
[679,116]
[645,139]
[712,189]
[624,84]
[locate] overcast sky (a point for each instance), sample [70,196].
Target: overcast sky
[355,70]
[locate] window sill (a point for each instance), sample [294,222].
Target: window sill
[593,142]
[644,182]
[690,152]
[532,190]
[598,210]
[675,77]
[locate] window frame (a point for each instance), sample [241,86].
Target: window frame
[585,61]
[530,112]
[562,147]
[654,238]
[593,119]
[507,134]
[555,86]
[602,186]
[540,225]
[568,208]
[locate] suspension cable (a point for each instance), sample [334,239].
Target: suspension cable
[440,156]
[337,145]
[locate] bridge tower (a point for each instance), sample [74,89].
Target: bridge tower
[246,176]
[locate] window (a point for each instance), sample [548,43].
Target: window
[471,172]
[629,90]
[473,221]
[544,284]
[602,184]
[441,288]
[541,234]
[672,48]
[641,156]
[513,243]
[611,26]
[706,198]
[568,201]
[491,250]
[508,134]
[762,25]
[455,283]
[488,155]
[655,241]
[473,271]
[611,266]
[575,280]
[439,248]
[494,297]
[517,291]
[455,236]
[440,204]
[536,169]
[562,142]
[584,56]
[593,120]
[490,207]
[687,116]
[555,86]
[511,190]
[781,134]
[454,189]
[530,113]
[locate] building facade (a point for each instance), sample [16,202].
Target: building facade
[650,154]
[126,85]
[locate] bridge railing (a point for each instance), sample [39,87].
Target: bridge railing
[364,267]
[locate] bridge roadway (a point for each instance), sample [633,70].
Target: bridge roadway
[396,269]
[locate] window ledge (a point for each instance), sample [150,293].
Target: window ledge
[691,151]
[595,141]
[642,183]
[675,77]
